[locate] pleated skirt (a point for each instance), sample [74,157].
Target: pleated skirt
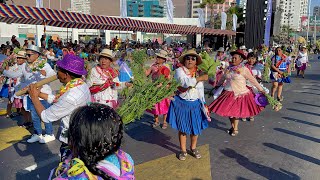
[187,116]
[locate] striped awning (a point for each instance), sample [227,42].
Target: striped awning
[44,16]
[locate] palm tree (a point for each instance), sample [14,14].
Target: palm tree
[237,11]
[210,4]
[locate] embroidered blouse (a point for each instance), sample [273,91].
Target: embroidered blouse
[236,77]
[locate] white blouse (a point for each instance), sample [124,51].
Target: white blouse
[181,74]
[109,94]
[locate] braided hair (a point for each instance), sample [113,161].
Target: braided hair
[95,132]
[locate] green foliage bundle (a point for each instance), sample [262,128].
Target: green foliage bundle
[145,93]
[266,70]
[208,65]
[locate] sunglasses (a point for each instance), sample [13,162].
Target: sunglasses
[191,58]
[29,55]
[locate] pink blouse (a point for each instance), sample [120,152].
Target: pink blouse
[236,80]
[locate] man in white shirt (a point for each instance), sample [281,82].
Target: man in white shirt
[73,94]
[34,70]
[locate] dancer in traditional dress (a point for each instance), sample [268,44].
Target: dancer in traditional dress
[95,138]
[221,56]
[175,61]
[73,93]
[279,66]
[302,61]
[156,71]
[35,70]
[255,70]
[104,82]
[236,101]
[185,112]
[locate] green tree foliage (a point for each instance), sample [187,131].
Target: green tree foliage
[210,4]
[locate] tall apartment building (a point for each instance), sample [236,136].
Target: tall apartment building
[291,12]
[316,11]
[140,8]
[241,3]
[81,6]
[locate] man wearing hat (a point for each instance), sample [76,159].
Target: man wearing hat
[34,70]
[73,94]
[104,82]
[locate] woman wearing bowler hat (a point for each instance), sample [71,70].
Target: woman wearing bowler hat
[185,112]
[104,82]
[236,101]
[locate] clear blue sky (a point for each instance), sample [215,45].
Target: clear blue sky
[314,3]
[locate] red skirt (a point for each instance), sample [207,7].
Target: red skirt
[243,106]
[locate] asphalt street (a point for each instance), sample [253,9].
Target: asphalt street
[277,145]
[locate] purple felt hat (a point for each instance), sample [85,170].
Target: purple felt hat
[73,64]
[261,100]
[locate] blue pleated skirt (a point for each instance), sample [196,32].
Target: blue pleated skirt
[187,116]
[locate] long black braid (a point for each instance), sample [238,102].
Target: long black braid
[95,132]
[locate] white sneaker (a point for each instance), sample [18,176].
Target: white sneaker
[34,138]
[47,138]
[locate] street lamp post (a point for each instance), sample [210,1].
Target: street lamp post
[309,12]
[289,17]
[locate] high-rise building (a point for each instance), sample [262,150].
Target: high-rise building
[80,6]
[140,8]
[291,11]
[241,3]
[316,11]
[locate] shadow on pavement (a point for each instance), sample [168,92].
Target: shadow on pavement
[293,153]
[311,93]
[306,112]
[150,135]
[298,135]
[307,104]
[301,121]
[311,88]
[216,124]
[264,171]
[43,157]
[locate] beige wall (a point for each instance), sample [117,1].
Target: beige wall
[105,7]
[181,8]
[54,4]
